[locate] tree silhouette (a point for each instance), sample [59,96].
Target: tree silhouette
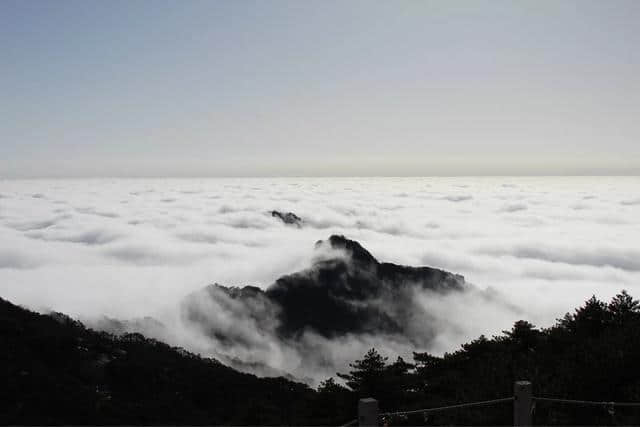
[367,375]
[623,308]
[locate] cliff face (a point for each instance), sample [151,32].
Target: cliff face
[348,292]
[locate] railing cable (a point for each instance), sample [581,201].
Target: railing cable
[443,408]
[585,402]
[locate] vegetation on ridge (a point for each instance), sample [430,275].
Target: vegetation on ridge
[56,371]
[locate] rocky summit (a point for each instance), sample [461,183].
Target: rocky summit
[346,291]
[288,218]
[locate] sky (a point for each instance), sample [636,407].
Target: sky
[318,88]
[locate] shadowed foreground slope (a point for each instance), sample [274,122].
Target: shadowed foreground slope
[55,371]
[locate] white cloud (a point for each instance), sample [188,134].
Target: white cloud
[513,207]
[130,248]
[16,259]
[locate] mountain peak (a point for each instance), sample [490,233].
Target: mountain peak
[353,249]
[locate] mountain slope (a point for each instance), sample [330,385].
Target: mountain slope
[55,371]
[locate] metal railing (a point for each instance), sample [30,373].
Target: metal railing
[523,406]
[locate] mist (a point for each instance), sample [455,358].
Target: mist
[130,249]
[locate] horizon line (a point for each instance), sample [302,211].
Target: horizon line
[34,178]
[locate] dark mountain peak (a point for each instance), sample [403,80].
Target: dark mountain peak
[353,249]
[236,291]
[334,296]
[288,218]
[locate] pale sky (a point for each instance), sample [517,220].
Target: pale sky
[282,88]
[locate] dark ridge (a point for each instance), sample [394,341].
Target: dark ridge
[55,371]
[240,292]
[288,218]
[120,327]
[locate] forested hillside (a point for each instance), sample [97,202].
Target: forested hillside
[56,371]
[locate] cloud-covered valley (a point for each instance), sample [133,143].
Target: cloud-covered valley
[529,248]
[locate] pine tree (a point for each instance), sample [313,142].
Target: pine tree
[623,307]
[366,376]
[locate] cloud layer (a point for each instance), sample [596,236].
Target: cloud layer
[533,247]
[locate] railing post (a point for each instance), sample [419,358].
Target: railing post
[368,412]
[523,399]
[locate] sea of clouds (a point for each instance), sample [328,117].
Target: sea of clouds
[534,248]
